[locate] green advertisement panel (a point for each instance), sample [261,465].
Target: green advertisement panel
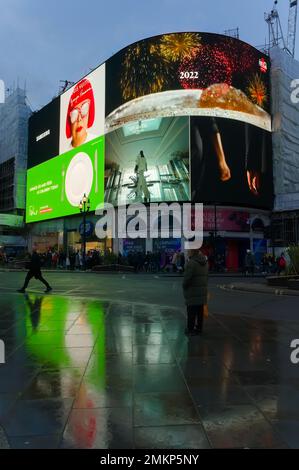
[56,187]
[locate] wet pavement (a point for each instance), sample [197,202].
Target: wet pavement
[86,373]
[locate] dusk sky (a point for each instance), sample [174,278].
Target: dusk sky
[45,42]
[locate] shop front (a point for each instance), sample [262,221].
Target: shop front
[228,234]
[67,235]
[46,241]
[74,242]
[226,237]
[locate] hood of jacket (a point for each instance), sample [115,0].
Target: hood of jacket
[200,258]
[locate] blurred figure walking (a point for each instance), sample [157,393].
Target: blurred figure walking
[249,263]
[35,271]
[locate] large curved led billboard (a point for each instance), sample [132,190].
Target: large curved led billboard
[194,74]
[176,117]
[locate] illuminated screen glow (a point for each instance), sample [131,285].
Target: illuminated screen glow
[140,127]
[56,187]
[195,74]
[157,96]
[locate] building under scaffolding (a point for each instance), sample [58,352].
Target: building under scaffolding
[285,112]
[14,115]
[285,229]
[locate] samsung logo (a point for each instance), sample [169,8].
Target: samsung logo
[43,135]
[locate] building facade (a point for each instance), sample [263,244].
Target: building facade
[14,116]
[285,111]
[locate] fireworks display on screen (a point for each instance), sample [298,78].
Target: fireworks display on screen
[145,71]
[214,66]
[191,61]
[175,47]
[257,91]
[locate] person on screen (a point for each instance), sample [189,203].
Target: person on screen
[140,168]
[255,157]
[207,131]
[80,114]
[206,142]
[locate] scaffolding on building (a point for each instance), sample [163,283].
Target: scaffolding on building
[284,229]
[14,115]
[233,33]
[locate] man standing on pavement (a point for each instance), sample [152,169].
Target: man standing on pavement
[35,271]
[195,287]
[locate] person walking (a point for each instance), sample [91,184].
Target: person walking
[249,263]
[77,261]
[35,271]
[174,261]
[281,264]
[182,264]
[195,288]
[67,262]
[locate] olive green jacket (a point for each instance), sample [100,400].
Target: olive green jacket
[195,283]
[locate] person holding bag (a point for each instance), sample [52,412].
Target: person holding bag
[195,288]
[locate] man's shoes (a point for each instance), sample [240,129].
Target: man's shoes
[191,332]
[194,333]
[48,289]
[21,291]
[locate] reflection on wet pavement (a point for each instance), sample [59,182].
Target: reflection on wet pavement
[83,373]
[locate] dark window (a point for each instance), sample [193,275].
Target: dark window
[7,170]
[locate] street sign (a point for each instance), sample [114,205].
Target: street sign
[89,228]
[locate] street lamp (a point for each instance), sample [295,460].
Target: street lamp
[84,207]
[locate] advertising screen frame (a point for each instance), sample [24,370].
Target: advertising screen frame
[108,83]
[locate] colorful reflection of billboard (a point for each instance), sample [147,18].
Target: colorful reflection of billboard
[62,356]
[55,334]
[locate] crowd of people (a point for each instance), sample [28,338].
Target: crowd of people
[274,265]
[154,261]
[3,257]
[140,261]
[269,264]
[216,262]
[73,260]
[168,261]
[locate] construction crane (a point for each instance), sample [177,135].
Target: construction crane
[65,86]
[276,36]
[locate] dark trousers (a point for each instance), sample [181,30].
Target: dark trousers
[195,317]
[37,275]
